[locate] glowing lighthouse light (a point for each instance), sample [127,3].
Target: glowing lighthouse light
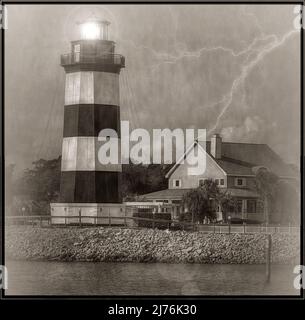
[91,31]
[94,30]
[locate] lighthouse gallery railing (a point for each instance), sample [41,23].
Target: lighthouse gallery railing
[106,59]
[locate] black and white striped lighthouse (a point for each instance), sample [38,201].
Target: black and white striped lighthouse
[92,68]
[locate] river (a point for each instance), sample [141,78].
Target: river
[90,278]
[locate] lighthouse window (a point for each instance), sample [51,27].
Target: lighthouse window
[77,52]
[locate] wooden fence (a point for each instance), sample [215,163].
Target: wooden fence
[46,221]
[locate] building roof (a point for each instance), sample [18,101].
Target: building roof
[234,167]
[242,158]
[165,194]
[251,154]
[178,193]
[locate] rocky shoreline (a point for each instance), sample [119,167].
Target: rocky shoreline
[145,245]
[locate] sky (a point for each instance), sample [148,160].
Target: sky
[230,69]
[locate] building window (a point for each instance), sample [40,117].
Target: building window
[176,201]
[240,182]
[260,206]
[220,182]
[177,183]
[251,206]
[239,206]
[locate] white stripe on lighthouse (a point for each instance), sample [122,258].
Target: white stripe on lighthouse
[81,154]
[89,87]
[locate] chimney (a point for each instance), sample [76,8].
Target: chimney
[216,146]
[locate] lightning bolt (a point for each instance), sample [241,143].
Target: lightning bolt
[246,70]
[250,56]
[167,58]
[179,47]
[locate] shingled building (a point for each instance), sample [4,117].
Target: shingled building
[233,167]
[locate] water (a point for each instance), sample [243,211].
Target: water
[90,278]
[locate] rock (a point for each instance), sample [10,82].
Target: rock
[145,245]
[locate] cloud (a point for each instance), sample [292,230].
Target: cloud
[250,129]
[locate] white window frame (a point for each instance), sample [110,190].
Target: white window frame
[240,185]
[201,179]
[217,180]
[174,183]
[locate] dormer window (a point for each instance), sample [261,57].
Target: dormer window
[177,183]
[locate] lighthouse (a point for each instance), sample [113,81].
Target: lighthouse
[92,103]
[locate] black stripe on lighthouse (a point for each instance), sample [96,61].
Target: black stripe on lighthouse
[90,187]
[87,120]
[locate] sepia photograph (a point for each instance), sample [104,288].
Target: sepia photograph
[152,150]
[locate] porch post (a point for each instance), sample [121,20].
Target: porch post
[244,209]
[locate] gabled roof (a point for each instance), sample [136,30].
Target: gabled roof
[241,158]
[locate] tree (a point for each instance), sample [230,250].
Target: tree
[41,182]
[287,203]
[196,204]
[201,202]
[226,201]
[266,184]
[138,179]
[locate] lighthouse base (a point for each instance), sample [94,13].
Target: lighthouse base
[90,214]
